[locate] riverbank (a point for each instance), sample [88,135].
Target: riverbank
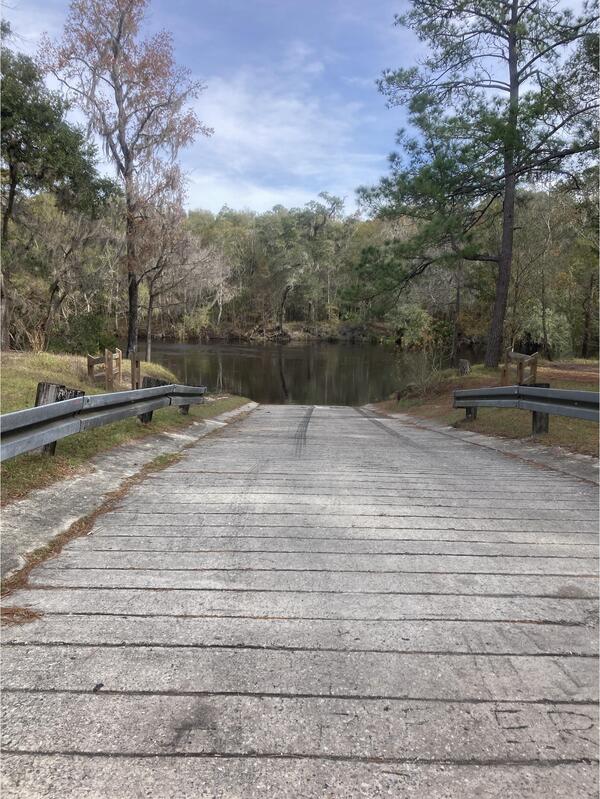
[333,332]
[21,373]
[433,400]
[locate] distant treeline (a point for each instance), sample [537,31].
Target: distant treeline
[485,230]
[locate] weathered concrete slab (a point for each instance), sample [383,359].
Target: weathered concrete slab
[345,515]
[306,727]
[168,777]
[34,521]
[333,561]
[258,502]
[325,582]
[510,678]
[339,634]
[316,603]
[337,521]
[229,543]
[104,530]
[555,458]
[300,605]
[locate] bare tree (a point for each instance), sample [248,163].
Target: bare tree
[135,98]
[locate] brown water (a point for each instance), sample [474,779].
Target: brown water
[311,374]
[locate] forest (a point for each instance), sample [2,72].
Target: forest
[483,234]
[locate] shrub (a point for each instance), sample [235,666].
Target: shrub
[85,333]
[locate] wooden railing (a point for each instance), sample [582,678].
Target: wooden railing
[522,363]
[111,363]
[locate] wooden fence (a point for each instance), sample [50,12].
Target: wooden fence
[522,363]
[111,364]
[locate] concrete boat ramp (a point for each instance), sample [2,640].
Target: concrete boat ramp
[315,602]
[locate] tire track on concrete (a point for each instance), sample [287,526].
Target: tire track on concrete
[300,434]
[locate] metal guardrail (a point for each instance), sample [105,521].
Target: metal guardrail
[26,430]
[543,402]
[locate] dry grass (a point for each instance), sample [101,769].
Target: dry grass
[575,435]
[17,615]
[22,371]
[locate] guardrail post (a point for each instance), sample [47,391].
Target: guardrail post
[471,414]
[150,382]
[53,392]
[540,423]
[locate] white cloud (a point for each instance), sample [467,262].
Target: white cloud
[30,20]
[280,136]
[213,190]
[276,141]
[301,59]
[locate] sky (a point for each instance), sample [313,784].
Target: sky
[290,92]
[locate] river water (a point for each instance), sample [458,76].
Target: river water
[311,373]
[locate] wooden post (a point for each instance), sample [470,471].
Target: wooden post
[119,359]
[534,365]
[150,382]
[505,368]
[135,370]
[92,362]
[540,423]
[53,392]
[471,414]
[520,370]
[108,370]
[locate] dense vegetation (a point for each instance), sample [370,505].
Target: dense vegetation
[489,211]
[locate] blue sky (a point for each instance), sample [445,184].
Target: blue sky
[290,92]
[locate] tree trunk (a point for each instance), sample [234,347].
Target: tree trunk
[132,279]
[220,305]
[454,354]
[4,313]
[4,283]
[545,344]
[494,343]
[149,326]
[132,314]
[281,315]
[10,202]
[53,305]
[587,317]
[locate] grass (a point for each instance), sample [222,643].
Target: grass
[21,373]
[435,402]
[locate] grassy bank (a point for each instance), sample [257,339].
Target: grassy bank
[21,373]
[433,400]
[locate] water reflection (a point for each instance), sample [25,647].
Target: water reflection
[313,374]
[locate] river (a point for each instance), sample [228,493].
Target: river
[306,373]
